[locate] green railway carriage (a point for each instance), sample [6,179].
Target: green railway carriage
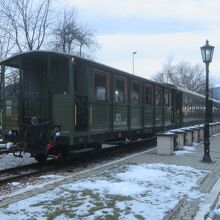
[86,104]
[191,107]
[215,106]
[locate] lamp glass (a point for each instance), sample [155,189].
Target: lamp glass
[207,52]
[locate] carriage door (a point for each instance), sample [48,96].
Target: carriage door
[80,98]
[81,113]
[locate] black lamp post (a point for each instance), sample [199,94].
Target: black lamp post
[207,53]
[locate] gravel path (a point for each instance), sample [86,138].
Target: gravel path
[8,160]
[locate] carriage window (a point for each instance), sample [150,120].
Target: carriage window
[120,94]
[190,104]
[167,98]
[135,95]
[194,104]
[158,96]
[198,106]
[201,106]
[149,95]
[101,87]
[185,100]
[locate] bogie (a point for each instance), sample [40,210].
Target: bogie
[41,158]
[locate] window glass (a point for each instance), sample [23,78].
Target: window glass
[135,95]
[101,87]
[120,90]
[158,96]
[167,97]
[149,95]
[185,100]
[201,106]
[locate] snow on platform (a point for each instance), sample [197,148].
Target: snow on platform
[187,150]
[147,191]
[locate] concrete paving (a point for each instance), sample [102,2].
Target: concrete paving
[209,184]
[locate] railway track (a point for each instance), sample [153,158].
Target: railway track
[27,171]
[132,146]
[15,173]
[3,151]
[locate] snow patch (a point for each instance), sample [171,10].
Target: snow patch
[187,149]
[148,191]
[14,184]
[50,177]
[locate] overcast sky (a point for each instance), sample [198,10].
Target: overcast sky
[158,30]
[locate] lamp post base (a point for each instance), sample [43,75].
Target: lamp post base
[207,159]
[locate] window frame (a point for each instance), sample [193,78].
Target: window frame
[124,79]
[106,75]
[161,98]
[168,92]
[152,94]
[139,92]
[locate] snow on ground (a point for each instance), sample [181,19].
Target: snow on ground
[50,176]
[215,135]
[146,191]
[187,150]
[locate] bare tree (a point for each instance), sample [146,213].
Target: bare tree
[165,74]
[70,36]
[6,43]
[28,22]
[86,39]
[23,26]
[183,74]
[6,47]
[66,32]
[12,83]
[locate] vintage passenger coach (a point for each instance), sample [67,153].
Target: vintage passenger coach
[66,103]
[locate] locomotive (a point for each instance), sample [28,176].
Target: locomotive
[67,104]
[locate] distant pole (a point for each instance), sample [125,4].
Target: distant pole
[207,53]
[133,59]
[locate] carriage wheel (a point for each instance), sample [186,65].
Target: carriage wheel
[41,158]
[98,148]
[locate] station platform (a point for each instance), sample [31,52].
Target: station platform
[141,186]
[207,207]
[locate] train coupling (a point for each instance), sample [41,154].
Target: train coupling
[15,148]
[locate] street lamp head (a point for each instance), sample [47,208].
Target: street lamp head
[134,52]
[207,52]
